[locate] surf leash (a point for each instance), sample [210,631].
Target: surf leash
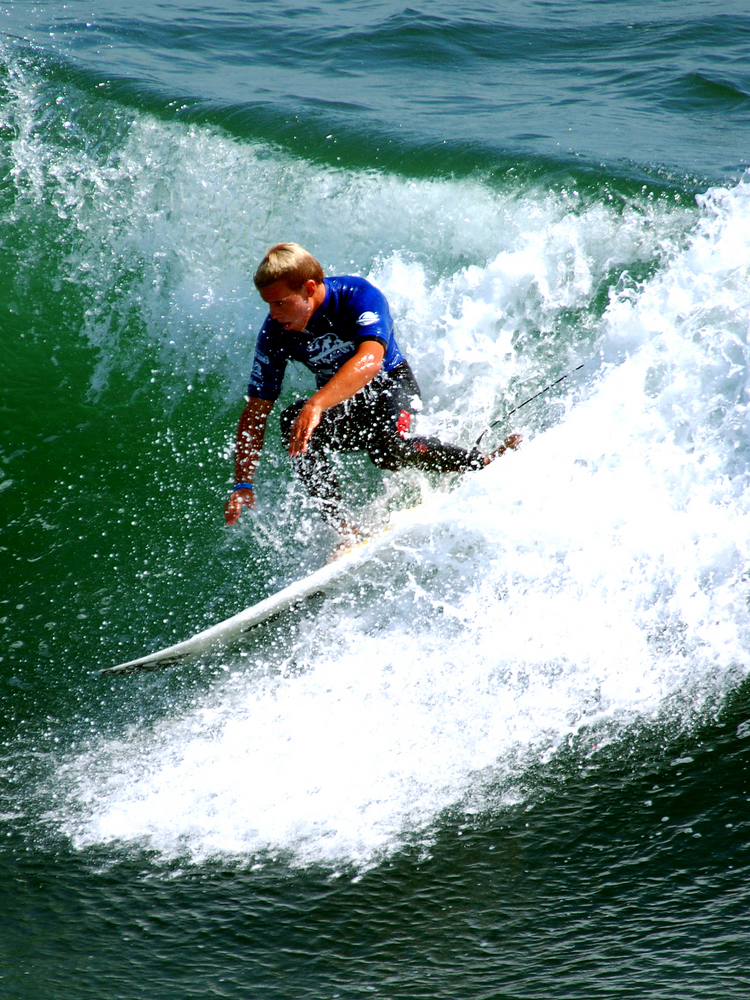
[529,400]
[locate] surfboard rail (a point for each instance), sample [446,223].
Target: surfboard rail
[223,633]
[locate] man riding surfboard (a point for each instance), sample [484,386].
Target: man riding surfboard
[341,329]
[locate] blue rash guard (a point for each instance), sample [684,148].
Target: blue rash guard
[352,311]
[377,419]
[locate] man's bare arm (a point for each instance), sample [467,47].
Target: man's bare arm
[251,431]
[348,380]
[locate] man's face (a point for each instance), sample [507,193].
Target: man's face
[291,309]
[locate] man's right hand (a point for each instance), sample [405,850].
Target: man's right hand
[235,503]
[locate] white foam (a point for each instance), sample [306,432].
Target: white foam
[596,575]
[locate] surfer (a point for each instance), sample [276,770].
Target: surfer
[341,329]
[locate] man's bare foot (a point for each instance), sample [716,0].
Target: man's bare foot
[350,538]
[509,444]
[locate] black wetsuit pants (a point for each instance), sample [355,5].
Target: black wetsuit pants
[375,420]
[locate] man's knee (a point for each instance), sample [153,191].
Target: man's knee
[391,454]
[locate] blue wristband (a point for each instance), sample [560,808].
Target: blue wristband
[242,486]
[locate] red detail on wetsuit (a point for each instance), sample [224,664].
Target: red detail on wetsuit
[404,423]
[420,446]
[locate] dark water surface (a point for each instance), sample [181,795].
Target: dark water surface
[508,757]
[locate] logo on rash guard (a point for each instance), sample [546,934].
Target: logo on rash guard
[328,348]
[404,423]
[367,318]
[256,376]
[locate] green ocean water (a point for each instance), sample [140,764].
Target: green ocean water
[508,757]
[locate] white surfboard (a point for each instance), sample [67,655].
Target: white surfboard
[225,632]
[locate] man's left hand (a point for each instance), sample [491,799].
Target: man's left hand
[302,428]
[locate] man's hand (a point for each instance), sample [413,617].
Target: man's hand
[353,375]
[307,420]
[235,503]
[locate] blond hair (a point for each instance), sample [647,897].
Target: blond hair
[288,262]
